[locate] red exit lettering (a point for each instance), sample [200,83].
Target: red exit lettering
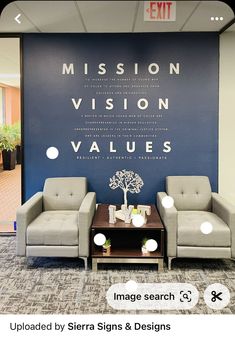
[160,10]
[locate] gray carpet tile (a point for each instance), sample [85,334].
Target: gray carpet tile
[61,286]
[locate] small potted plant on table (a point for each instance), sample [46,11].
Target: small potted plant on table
[107,247]
[143,248]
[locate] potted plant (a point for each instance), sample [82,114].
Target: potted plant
[7,146]
[143,248]
[17,135]
[107,247]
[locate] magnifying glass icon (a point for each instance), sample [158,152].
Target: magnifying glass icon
[185,296]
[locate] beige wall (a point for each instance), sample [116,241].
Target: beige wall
[227,116]
[12,105]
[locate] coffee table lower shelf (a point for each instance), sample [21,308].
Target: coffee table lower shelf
[158,261]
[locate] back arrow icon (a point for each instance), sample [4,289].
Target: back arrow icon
[17,18]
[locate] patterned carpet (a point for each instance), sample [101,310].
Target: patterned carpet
[61,286]
[10,197]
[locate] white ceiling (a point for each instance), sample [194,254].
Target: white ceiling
[97,16]
[10,61]
[109,16]
[232,28]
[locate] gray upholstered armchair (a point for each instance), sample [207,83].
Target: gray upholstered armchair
[56,222]
[194,204]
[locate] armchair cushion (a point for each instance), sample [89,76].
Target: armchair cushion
[189,192]
[189,233]
[64,193]
[54,228]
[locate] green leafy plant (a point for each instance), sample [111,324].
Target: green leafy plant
[16,132]
[7,138]
[107,243]
[144,240]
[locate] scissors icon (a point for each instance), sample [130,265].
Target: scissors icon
[216,296]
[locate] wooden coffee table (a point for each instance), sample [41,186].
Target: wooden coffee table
[126,240]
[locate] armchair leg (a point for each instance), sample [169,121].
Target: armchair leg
[29,261]
[85,262]
[169,262]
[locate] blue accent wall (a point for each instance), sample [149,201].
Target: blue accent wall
[190,123]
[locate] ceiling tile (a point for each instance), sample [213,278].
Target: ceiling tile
[231,29]
[49,16]
[108,16]
[201,18]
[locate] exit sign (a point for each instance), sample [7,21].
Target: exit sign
[159,10]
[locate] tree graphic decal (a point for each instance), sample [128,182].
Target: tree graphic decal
[126,180]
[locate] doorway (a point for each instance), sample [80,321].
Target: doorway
[10,133]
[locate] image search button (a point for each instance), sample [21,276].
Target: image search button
[153,296]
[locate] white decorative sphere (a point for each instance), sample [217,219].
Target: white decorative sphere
[99,239]
[151,245]
[206,228]
[52,153]
[138,221]
[167,202]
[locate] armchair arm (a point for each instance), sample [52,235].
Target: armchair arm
[226,211]
[169,218]
[24,216]
[85,216]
